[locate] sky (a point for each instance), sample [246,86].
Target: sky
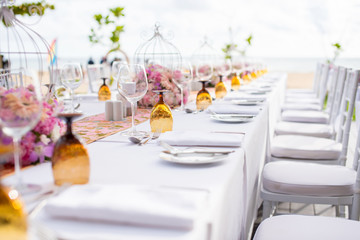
[280,28]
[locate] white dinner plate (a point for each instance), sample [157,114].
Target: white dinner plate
[193,158]
[232,118]
[246,102]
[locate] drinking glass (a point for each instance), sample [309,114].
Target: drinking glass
[70,159]
[71,77]
[20,111]
[104,93]
[182,76]
[161,119]
[204,71]
[223,69]
[114,72]
[132,84]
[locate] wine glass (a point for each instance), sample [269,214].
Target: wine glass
[20,111]
[204,71]
[114,72]
[71,77]
[132,84]
[222,69]
[182,76]
[161,119]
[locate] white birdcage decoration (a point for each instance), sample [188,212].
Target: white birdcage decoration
[20,46]
[158,50]
[206,55]
[160,56]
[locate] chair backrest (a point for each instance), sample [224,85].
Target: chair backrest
[355,210]
[337,95]
[346,112]
[324,77]
[95,72]
[332,82]
[317,75]
[10,78]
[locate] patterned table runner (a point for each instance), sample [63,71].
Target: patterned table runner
[93,128]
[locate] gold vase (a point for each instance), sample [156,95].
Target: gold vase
[220,89]
[235,82]
[13,224]
[104,93]
[203,98]
[70,159]
[161,119]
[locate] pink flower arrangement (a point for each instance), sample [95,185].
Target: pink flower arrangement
[38,144]
[161,78]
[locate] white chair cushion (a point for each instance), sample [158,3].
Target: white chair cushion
[305,147]
[299,90]
[305,116]
[297,227]
[302,100]
[300,95]
[305,129]
[301,106]
[310,179]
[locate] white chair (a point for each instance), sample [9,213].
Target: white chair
[313,116]
[312,183]
[315,129]
[297,227]
[11,77]
[319,97]
[320,150]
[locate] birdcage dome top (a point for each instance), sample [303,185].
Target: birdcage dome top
[205,52]
[157,50]
[21,46]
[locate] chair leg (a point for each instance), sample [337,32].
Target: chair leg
[342,211]
[266,209]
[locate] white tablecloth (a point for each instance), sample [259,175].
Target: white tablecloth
[233,184]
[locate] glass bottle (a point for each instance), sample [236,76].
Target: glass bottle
[161,119]
[13,224]
[70,159]
[203,98]
[235,82]
[104,93]
[220,89]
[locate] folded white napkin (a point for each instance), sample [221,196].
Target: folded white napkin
[199,138]
[144,206]
[241,95]
[233,109]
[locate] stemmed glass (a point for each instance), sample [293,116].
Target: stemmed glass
[20,111]
[222,69]
[132,84]
[182,76]
[114,72]
[204,71]
[71,77]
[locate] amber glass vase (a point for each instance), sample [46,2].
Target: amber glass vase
[235,82]
[70,160]
[13,224]
[161,119]
[220,89]
[203,98]
[104,93]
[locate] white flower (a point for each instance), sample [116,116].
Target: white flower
[55,133]
[44,139]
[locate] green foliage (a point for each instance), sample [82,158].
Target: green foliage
[231,48]
[29,9]
[104,22]
[337,50]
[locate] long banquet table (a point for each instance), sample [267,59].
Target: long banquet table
[232,184]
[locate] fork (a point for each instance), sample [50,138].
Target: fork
[154,135]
